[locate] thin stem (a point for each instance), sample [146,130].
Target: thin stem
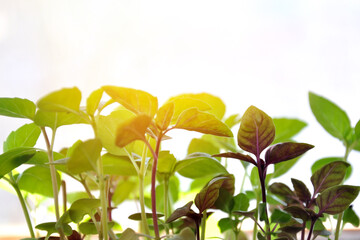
[103,200]
[141,175]
[54,182]
[311,228]
[340,216]
[23,204]
[166,201]
[203,225]
[63,185]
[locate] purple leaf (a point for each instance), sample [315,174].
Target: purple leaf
[285,151]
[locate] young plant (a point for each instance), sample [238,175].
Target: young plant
[256,133]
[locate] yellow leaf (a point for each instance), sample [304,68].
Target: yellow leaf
[164,116]
[63,100]
[137,101]
[93,101]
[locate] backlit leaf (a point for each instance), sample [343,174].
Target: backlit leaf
[54,120]
[301,190]
[14,158]
[287,128]
[199,165]
[323,161]
[123,191]
[131,130]
[232,120]
[357,130]
[194,120]
[89,228]
[240,202]
[207,197]
[51,228]
[331,117]
[285,151]
[25,136]
[85,156]
[82,207]
[166,163]
[351,217]
[92,102]
[257,131]
[63,100]
[118,165]
[137,101]
[283,167]
[107,126]
[38,180]
[128,234]
[226,224]
[336,199]
[17,107]
[164,116]
[202,145]
[330,175]
[180,212]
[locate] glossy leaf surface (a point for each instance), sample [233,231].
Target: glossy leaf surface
[82,207]
[92,102]
[14,158]
[199,165]
[137,101]
[38,180]
[330,175]
[25,136]
[85,156]
[285,151]
[63,100]
[131,130]
[207,197]
[336,199]
[17,107]
[257,131]
[287,128]
[194,120]
[301,190]
[331,117]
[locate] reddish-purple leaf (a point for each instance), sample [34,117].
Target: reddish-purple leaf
[180,212]
[285,151]
[336,199]
[301,190]
[240,156]
[257,131]
[330,175]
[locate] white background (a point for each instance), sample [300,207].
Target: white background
[264,53]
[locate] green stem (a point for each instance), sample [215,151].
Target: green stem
[54,182]
[203,225]
[23,204]
[166,201]
[103,200]
[141,175]
[340,216]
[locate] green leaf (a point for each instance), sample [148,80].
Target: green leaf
[185,234]
[283,167]
[128,234]
[301,190]
[240,202]
[351,217]
[207,197]
[131,130]
[331,117]
[137,101]
[137,216]
[336,199]
[194,120]
[123,191]
[254,177]
[199,165]
[202,145]
[50,227]
[262,211]
[54,120]
[286,129]
[279,216]
[330,175]
[317,165]
[256,132]
[164,116]
[41,157]
[38,180]
[63,100]
[166,163]
[73,196]
[92,102]
[14,158]
[89,228]
[25,136]
[85,156]
[232,120]
[226,224]
[285,151]
[17,107]
[107,126]
[82,207]
[357,130]
[118,165]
